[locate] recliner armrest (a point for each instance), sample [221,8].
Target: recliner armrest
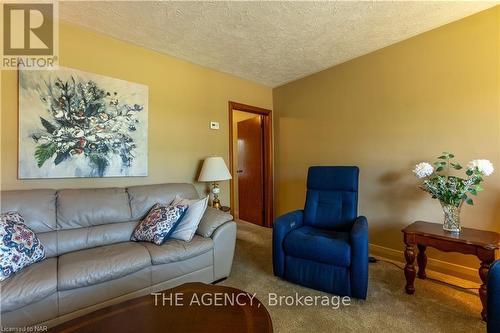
[211,220]
[359,230]
[281,227]
[359,257]
[493,321]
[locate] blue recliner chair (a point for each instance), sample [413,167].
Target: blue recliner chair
[325,246]
[493,289]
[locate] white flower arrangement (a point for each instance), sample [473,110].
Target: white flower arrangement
[449,189]
[483,166]
[423,170]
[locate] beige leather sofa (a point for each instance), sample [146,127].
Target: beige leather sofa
[90,261]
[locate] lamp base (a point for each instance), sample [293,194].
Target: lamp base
[216,203]
[216,190]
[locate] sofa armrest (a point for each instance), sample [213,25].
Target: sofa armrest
[281,227]
[359,257]
[224,243]
[211,220]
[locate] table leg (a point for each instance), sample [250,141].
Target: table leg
[422,261]
[410,269]
[483,293]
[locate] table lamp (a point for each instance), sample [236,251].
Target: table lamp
[213,170]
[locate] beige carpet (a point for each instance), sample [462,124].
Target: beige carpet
[435,307]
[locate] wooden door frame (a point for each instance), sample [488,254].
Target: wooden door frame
[268,156]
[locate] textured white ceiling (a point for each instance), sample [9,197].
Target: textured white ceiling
[267,42]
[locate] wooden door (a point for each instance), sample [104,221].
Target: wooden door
[250,171]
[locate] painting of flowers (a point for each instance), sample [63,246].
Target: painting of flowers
[79,124]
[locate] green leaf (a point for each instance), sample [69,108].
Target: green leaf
[44,152]
[469,201]
[473,191]
[456,166]
[443,157]
[451,155]
[439,169]
[479,188]
[469,172]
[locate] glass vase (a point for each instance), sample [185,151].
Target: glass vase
[451,217]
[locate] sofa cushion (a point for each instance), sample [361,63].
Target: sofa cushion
[89,207]
[143,197]
[211,220]
[49,241]
[70,240]
[325,246]
[100,264]
[29,285]
[19,245]
[176,250]
[38,207]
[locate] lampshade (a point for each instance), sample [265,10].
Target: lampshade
[214,169]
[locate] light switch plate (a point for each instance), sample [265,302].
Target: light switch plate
[214,125]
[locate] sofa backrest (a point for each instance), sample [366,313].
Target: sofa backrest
[90,207]
[143,197]
[76,219]
[332,197]
[38,208]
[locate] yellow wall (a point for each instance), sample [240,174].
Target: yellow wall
[183,99]
[383,112]
[387,110]
[237,117]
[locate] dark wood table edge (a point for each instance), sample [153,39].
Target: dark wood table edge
[72,324]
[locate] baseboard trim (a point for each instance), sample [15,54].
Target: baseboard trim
[444,267]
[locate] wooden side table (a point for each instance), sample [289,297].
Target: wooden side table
[482,244]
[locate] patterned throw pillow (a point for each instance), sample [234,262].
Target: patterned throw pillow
[160,222]
[19,245]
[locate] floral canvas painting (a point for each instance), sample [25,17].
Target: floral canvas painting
[78,124]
